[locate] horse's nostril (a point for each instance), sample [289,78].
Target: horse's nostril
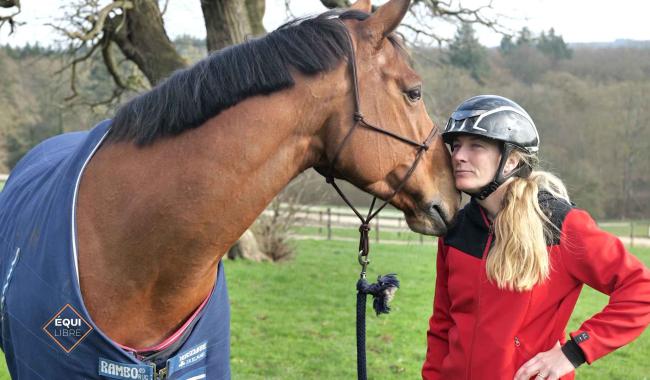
[444,217]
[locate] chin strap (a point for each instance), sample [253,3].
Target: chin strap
[522,171]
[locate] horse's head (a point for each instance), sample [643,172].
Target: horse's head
[389,94]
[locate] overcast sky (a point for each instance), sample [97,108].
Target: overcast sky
[575,20]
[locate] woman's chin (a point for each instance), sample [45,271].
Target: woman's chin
[466,187]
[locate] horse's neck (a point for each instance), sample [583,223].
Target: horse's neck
[158,219]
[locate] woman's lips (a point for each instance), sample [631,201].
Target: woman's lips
[462,173]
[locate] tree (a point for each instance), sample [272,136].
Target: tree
[506,46]
[465,51]
[525,37]
[529,57]
[553,46]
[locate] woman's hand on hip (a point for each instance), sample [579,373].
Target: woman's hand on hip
[550,365]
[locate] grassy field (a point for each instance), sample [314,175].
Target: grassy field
[295,320]
[640,228]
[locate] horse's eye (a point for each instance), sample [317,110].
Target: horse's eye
[414,94]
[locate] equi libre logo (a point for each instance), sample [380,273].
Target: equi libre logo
[67,328]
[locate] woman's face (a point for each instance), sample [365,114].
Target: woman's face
[475,161]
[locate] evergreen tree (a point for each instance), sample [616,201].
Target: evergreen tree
[506,46]
[525,37]
[553,46]
[465,51]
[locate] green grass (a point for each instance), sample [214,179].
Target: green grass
[641,228]
[295,320]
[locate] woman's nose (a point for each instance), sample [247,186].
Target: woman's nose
[458,155]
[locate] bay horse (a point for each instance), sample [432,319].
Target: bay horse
[111,239]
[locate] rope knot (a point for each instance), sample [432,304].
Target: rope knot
[382,291]
[358,116]
[364,227]
[329,179]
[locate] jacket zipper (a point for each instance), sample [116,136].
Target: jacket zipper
[478,298]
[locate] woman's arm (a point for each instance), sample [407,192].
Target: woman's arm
[600,260]
[440,322]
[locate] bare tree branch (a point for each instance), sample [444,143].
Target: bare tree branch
[97,21]
[111,66]
[10,18]
[455,13]
[164,10]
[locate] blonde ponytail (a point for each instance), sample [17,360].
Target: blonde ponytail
[519,259]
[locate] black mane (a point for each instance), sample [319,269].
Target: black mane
[189,97]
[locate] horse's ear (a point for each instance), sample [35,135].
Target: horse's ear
[385,19]
[362,5]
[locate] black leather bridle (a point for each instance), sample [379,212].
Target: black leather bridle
[363,288]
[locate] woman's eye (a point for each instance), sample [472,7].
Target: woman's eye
[414,94]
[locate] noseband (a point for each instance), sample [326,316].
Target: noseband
[389,282]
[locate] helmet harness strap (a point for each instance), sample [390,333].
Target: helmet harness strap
[522,171]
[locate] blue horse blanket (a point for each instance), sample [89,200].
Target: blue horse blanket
[46,331]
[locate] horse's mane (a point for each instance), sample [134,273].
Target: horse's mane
[189,97]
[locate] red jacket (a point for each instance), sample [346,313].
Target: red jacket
[478,331]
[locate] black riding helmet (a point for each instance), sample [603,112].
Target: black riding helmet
[497,118]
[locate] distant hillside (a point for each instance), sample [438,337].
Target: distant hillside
[620,43]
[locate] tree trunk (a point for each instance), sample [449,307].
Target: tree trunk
[228,22]
[143,40]
[256,9]
[247,248]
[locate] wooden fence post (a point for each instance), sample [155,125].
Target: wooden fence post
[329,223]
[320,222]
[399,226]
[377,228]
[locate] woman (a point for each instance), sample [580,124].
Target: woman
[510,271]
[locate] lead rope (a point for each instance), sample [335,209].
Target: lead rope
[385,287]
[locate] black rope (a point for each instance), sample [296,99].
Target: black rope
[382,291]
[361,335]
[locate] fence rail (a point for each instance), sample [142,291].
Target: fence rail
[339,223]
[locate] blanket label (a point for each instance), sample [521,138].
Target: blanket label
[67,328]
[124,371]
[190,357]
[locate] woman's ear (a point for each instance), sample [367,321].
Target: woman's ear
[511,164]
